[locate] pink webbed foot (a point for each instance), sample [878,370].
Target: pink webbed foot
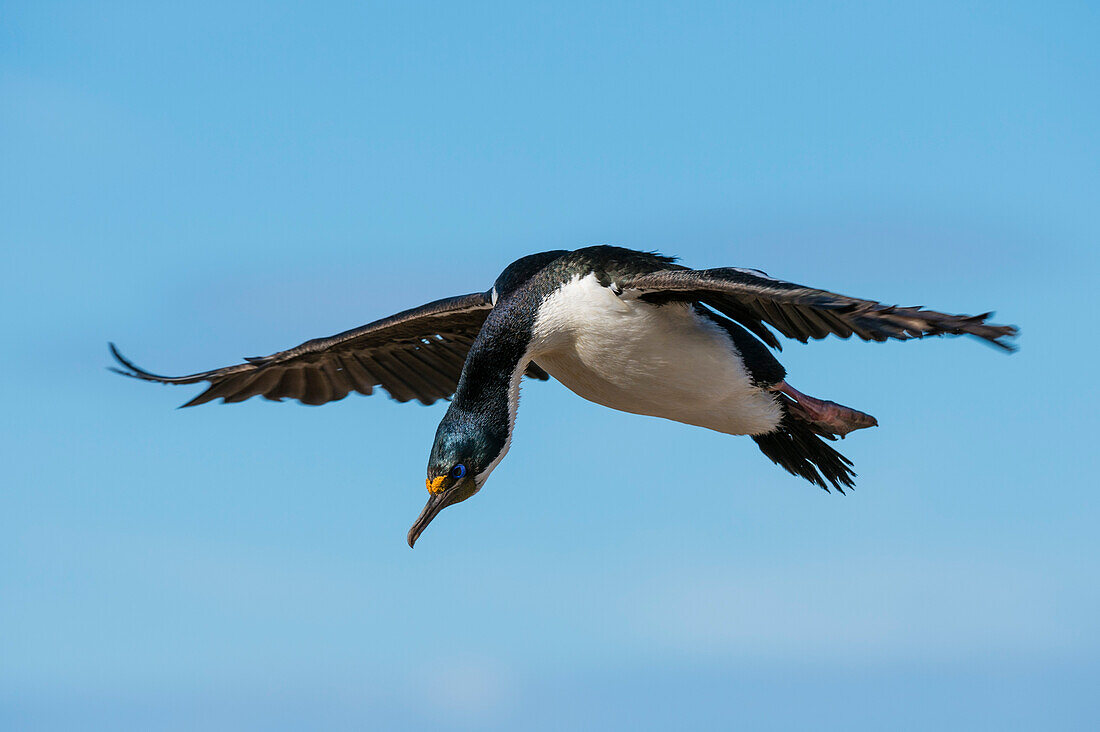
[829,417]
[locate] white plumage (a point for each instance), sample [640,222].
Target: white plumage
[611,345]
[659,360]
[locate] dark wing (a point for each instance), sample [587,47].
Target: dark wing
[416,354]
[752,299]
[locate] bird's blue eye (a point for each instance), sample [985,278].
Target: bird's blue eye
[458,471]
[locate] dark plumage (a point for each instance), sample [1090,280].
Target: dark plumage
[631,330]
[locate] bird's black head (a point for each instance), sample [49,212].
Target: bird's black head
[464,453]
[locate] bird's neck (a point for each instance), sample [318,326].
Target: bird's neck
[488,390]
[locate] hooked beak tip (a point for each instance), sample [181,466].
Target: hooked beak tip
[436,503]
[415,532]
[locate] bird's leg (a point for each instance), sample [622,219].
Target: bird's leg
[829,416]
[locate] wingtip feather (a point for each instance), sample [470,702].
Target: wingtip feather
[131,370]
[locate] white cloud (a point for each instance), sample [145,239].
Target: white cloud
[469,690]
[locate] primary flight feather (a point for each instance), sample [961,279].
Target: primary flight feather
[630,330]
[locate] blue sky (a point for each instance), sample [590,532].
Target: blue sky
[204,181]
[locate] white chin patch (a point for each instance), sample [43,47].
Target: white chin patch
[483,476]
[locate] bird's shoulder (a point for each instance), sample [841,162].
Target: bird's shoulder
[552,269]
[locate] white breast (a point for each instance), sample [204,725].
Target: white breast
[665,361]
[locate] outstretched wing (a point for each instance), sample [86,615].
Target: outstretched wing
[752,299]
[416,354]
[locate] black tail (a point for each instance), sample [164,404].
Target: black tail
[801,450]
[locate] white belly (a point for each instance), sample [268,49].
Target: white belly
[664,361]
